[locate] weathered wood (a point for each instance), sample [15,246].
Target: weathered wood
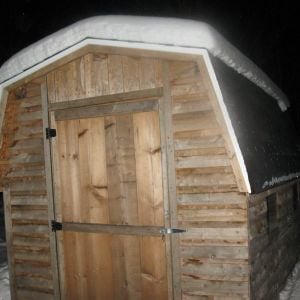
[167,126]
[115,74]
[215,288]
[150,200]
[3,104]
[9,240]
[206,190]
[190,104]
[127,139]
[194,121]
[105,110]
[131,73]
[222,122]
[218,272]
[33,295]
[194,179]
[198,143]
[120,156]
[204,215]
[30,116]
[203,161]
[113,229]
[148,164]
[108,99]
[49,187]
[28,102]
[96,74]
[272,252]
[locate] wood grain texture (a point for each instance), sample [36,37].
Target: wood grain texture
[105,160]
[98,74]
[214,251]
[273,252]
[30,263]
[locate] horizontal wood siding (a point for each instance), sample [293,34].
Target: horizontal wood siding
[214,251]
[25,178]
[274,242]
[97,74]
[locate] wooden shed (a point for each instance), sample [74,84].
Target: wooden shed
[146,158]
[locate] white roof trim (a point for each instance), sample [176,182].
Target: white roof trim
[161,48]
[228,123]
[148,30]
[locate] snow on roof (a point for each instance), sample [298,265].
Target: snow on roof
[148,30]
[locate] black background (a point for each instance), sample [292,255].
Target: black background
[265,31]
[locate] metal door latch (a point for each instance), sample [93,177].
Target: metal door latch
[171,230]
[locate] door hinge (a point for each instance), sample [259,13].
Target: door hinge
[171,230]
[56,226]
[50,133]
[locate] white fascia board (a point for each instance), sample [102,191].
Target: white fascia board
[228,123]
[154,47]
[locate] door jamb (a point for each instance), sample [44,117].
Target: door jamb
[169,189]
[50,194]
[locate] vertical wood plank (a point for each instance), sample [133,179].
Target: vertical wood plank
[150,202]
[154,274]
[94,208]
[122,203]
[131,73]
[50,197]
[115,74]
[96,74]
[164,147]
[166,107]
[60,79]
[93,169]
[147,73]
[99,266]
[158,72]
[148,168]
[3,102]
[68,151]
[51,87]
[116,215]
[70,197]
[57,173]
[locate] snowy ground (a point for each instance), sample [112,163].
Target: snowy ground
[4,281]
[292,287]
[290,292]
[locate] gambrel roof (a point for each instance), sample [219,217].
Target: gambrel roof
[148,30]
[262,135]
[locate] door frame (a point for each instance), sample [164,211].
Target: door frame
[158,99]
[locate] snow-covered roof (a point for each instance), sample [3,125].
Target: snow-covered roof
[145,30]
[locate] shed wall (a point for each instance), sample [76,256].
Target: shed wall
[213,254]
[274,223]
[25,195]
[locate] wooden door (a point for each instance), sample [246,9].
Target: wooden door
[110,200]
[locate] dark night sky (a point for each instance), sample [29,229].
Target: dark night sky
[267,32]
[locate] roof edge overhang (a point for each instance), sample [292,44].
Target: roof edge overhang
[147,47]
[142,30]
